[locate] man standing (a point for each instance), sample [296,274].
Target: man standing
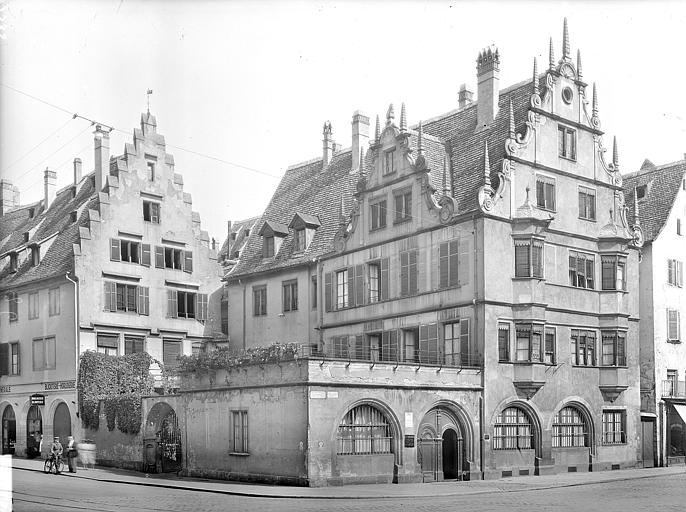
[71,454]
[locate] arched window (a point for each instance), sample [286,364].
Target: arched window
[364,430]
[569,429]
[512,430]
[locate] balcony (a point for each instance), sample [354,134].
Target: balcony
[612,381]
[528,378]
[673,388]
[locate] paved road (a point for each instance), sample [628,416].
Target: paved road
[34,491]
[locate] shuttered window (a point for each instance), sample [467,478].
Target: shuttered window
[545,192]
[529,258]
[378,214]
[259,295]
[613,272]
[673,325]
[448,263]
[504,342]
[408,273]
[581,270]
[613,348]
[583,347]
[289,296]
[529,342]
[586,203]
[675,273]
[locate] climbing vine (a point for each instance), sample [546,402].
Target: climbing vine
[120,382]
[224,359]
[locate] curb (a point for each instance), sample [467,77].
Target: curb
[355,497]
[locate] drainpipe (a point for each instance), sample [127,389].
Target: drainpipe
[483,355]
[77,333]
[240,283]
[321,302]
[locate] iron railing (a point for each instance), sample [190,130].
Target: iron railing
[674,388]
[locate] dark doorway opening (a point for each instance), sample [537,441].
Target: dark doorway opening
[34,431]
[62,423]
[451,455]
[9,431]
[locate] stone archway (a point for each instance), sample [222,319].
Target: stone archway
[61,426]
[9,430]
[34,431]
[163,448]
[442,449]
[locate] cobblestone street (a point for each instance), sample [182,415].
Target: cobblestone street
[34,491]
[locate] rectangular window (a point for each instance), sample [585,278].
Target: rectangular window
[151,171]
[290,296]
[566,142]
[239,433]
[299,240]
[409,284]
[529,258]
[545,192]
[378,214]
[108,344]
[186,302]
[586,203]
[259,300]
[673,325]
[125,250]
[35,256]
[127,295]
[268,247]
[403,206]
[134,344]
[614,427]
[675,273]
[14,262]
[34,305]
[314,292]
[549,356]
[448,264]
[173,258]
[529,342]
[171,350]
[581,270]
[613,348]
[15,366]
[613,272]
[671,384]
[44,353]
[389,162]
[503,342]
[13,300]
[678,227]
[54,301]
[374,271]
[342,289]
[151,212]
[583,347]
[456,349]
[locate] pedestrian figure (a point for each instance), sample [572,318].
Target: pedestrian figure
[40,445]
[72,453]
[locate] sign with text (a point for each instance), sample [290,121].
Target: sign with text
[37,399]
[61,384]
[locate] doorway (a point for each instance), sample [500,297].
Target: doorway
[442,451]
[62,423]
[34,431]
[648,443]
[9,431]
[451,455]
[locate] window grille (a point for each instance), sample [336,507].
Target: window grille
[512,430]
[364,431]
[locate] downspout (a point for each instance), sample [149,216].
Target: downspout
[243,285]
[320,300]
[77,333]
[483,355]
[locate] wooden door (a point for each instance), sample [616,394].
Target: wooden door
[647,443]
[430,453]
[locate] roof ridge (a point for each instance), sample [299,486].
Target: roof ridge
[303,163]
[649,170]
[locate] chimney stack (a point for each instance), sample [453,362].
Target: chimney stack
[102,157]
[360,137]
[50,187]
[464,97]
[488,79]
[9,196]
[328,148]
[77,171]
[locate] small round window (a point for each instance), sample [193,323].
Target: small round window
[567,95]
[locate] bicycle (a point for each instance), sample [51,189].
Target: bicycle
[53,465]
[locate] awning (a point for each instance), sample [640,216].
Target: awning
[681,410]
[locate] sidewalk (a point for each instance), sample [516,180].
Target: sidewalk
[370,491]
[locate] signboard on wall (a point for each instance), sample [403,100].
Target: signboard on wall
[37,399]
[409,441]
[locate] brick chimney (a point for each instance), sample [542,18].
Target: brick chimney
[328,146]
[102,157]
[50,187]
[77,171]
[464,97]
[488,79]
[9,196]
[360,136]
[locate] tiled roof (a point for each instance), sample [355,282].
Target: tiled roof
[239,229]
[58,260]
[308,189]
[662,184]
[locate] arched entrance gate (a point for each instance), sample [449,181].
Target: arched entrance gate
[163,450]
[61,425]
[34,431]
[442,449]
[9,430]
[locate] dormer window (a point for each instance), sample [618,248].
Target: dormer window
[32,212]
[273,234]
[72,216]
[13,262]
[35,255]
[26,236]
[304,227]
[641,191]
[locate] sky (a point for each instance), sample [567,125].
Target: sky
[242,89]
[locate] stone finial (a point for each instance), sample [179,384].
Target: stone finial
[615,154]
[565,42]
[327,128]
[420,139]
[390,115]
[487,166]
[512,121]
[377,130]
[551,55]
[535,76]
[595,101]
[637,221]
[403,118]
[579,74]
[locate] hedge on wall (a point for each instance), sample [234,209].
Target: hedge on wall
[120,382]
[224,359]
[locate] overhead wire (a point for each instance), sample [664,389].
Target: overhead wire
[52,134]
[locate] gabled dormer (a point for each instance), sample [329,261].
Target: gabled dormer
[272,234]
[304,227]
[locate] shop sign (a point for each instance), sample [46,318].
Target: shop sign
[37,399]
[62,384]
[5,389]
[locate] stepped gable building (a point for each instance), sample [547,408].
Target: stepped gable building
[115,262]
[465,291]
[657,199]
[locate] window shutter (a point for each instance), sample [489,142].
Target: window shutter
[404,284]
[550,196]
[463,261]
[537,259]
[351,286]
[540,194]
[468,358]
[328,290]
[159,256]
[590,271]
[188,261]
[443,265]
[4,359]
[143,300]
[608,265]
[359,285]
[201,306]
[145,254]
[384,279]
[172,304]
[680,273]
[454,263]
[413,272]
[423,343]
[115,250]
[110,296]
